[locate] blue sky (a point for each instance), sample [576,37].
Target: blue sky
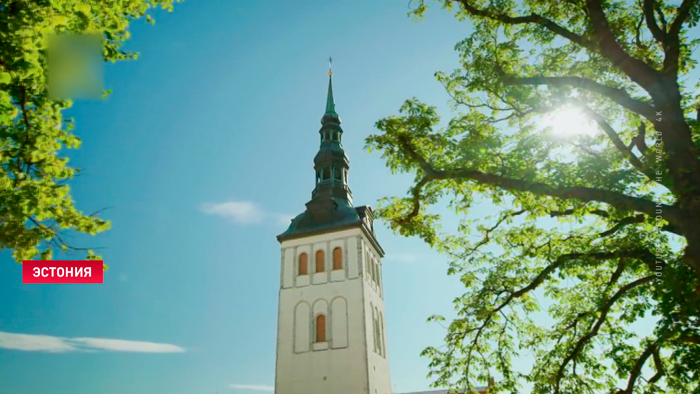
[223,107]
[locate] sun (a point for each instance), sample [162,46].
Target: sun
[569,122]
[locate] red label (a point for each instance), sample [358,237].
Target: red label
[62,271]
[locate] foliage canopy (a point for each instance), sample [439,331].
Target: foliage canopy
[631,190]
[35,202]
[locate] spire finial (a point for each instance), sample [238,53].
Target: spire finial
[330,66]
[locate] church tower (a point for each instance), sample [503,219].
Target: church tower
[330,331]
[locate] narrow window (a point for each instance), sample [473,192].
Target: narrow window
[376,272]
[374,327]
[381,340]
[320,328]
[336,174]
[346,176]
[303,265]
[337,259]
[320,261]
[326,173]
[368,272]
[381,324]
[376,333]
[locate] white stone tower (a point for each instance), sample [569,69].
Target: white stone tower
[331,331]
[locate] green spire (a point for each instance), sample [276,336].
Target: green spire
[330,104]
[331,163]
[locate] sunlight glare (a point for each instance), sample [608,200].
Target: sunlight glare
[569,122]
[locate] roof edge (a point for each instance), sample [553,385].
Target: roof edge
[373,240]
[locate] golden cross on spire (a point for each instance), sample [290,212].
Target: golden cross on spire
[330,66]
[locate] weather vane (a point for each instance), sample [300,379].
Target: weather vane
[330,66]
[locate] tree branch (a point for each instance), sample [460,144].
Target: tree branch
[648,10]
[690,338]
[56,239]
[638,140]
[622,223]
[659,365]
[638,37]
[660,14]
[596,327]
[607,45]
[672,45]
[617,142]
[582,193]
[681,16]
[650,350]
[598,212]
[532,18]
[544,274]
[619,96]
[488,231]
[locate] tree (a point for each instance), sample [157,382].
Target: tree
[35,202]
[630,193]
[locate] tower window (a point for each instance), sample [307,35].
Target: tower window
[326,173]
[337,259]
[346,176]
[336,174]
[374,328]
[367,270]
[303,264]
[320,261]
[381,326]
[320,328]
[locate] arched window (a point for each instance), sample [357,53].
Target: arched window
[376,271]
[303,264]
[326,173]
[374,328]
[320,261]
[336,174]
[320,328]
[337,259]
